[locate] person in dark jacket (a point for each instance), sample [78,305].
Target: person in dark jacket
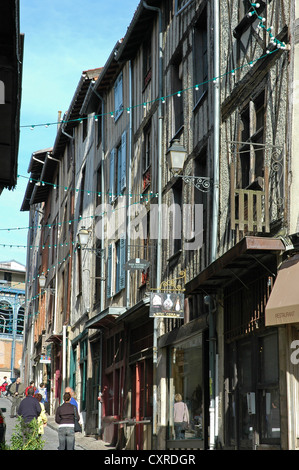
[65,418]
[29,407]
[17,391]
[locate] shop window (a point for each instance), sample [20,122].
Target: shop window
[186,378]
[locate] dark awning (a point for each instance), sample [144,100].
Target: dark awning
[54,339]
[105,318]
[283,304]
[248,254]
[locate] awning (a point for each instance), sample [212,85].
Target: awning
[105,318]
[250,254]
[283,304]
[54,339]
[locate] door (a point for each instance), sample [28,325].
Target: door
[253,399]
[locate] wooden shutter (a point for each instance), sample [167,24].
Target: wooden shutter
[122,260]
[110,271]
[123,174]
[112,176]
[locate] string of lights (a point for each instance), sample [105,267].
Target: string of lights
[279,45]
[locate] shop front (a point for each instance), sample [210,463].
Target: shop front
[251,385]
[187,376]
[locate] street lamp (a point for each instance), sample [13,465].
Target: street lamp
[83,236]
[42,283]
[175,158]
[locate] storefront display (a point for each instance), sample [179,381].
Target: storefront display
[186,379]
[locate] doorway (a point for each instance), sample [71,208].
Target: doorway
[253,401]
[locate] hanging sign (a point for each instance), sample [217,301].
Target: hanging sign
[137,263]
[45,359]
[167,305]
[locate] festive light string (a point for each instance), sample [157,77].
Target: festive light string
[261,25]
[89,192]
[279,45]
[70,221]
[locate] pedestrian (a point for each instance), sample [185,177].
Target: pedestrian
[65,418]
[3,386]
[42,418]
[17,391]
[73,399]
[31,385]
[43,391]
[29,407]
[180,416]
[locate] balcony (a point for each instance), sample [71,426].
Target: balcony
[261,203]
[250,211]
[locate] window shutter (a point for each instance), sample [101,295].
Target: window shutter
[109,272]
[123,175]
[112,176]
[118,96]
[122,260]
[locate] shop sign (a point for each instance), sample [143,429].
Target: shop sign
[167,305]
[45,359]
[137,263]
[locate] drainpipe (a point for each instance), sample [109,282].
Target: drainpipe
[129,185]
[63,357]
[159,245]
[212,312]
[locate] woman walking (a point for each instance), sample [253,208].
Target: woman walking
[65,418]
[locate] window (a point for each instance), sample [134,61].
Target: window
[118,97]
[118,169]
[200,57]
[250,164]
[147,61]
[84,123]
[20,321]
[177,98]
[115,266]
[146,161]
[99,120]
[120,261]
[6,317]
[176,217]
[82,192]
[121,164]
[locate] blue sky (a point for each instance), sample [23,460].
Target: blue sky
[62,38]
